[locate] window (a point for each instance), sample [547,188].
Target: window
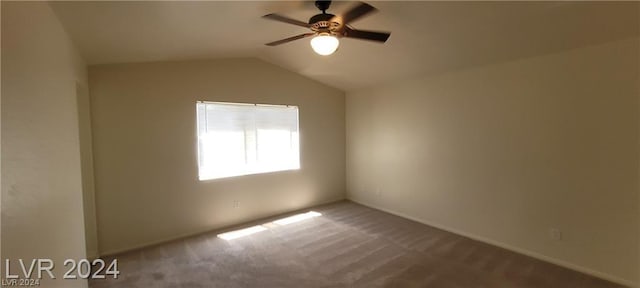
[241,139]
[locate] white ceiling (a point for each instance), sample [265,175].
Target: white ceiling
[427,37]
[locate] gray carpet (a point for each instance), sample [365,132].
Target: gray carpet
[350,245]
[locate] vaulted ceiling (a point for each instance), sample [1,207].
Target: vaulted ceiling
[427,37]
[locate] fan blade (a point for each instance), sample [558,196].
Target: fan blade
[275,43]
[284,19]
[366,35]
[356,12]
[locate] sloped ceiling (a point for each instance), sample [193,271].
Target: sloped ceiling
[427,37]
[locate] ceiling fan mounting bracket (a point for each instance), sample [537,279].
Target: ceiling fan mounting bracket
[323,5]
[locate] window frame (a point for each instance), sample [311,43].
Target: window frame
[246,172]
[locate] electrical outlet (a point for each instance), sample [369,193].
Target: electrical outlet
[236,203]
[555,234]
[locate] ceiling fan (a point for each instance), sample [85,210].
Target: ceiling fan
[327,28]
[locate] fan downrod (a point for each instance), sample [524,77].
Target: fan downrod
[323,5]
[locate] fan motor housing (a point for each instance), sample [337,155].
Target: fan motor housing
[322,23]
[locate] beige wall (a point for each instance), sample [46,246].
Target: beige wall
[147,187]
[41,178]
[505,152]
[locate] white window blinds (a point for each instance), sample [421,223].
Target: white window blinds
[240,139]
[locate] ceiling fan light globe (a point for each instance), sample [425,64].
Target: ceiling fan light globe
[324,44]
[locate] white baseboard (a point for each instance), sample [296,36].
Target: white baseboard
[536,255]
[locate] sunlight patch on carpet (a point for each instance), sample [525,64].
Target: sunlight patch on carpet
[259,228]
[297,218]
[242,232]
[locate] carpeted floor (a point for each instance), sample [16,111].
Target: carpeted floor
[350,245]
